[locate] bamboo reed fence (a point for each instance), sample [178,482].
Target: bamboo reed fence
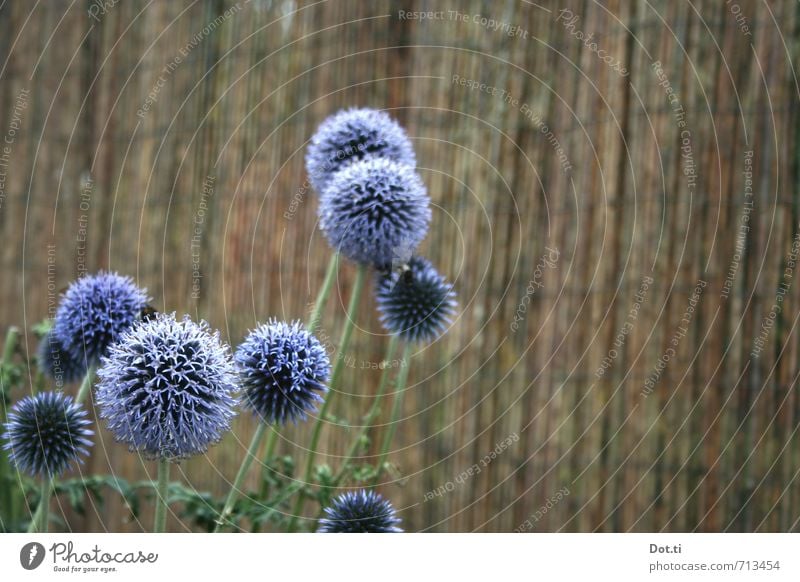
[620,217]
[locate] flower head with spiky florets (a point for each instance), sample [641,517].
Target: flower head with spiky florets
[46,433]
[351,135]
[167,388]
[372,208]
[95,311]
[416,303]
[282,369]
[57,363]
[360,511]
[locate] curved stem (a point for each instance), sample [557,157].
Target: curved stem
[86,385]
[322,296]
[397,407]
[269,452]
[338,367]
[373,411]
[160,519]
[41,519]
[9,491]
[233,494]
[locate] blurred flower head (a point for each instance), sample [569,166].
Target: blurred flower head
[360,511]
[282,369]
[167,388]
[415,302]
[94,312]
[352,135]
[46,433]
[57,363]
[374,209]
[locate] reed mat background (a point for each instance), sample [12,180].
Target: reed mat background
[580,161]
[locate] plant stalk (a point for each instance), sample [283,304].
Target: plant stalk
[86,385]
[8,484]
[160,519]
[269,452]
[41,518]
[233,494]
[397,408]
[338,368]
[322,296]
[373,411]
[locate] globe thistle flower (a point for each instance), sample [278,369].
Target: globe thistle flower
[416,303]
[94,312]
[351,135]
[57,363]
[374,210]
[166,388]
[46,433]
[360,512]
[282,369]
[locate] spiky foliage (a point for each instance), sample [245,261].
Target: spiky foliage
[360,511]
[94,312]
[167,388]
[415,302]
[282,369]
[57,363]
[374,210]
[351,135]
[45,433]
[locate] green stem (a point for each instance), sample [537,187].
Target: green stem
[373,411]
[8,483]
[12,338]
[269,452]
[86,385]
[160,519]
[322,296]
[397,407]
[42,517]
[338,368]
[233,494]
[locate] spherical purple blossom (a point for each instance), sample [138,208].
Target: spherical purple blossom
[57,363]
[375,211]
[282,369]
[351,135]
[360,512]
[46,433]
[167,388]
[95,311]
[416,302]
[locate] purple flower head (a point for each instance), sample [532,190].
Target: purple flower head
[282,369]
[360,511]
[351,135]
[57,363]
[46,433]
[374,210]
[166,388]
[94,312]
[416,303]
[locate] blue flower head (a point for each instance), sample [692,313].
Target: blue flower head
[360,512]
[374,210]
[94,312]
[282,369]
[352,135]
[46,433]
[416,302]
[57,363]
[167,388]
